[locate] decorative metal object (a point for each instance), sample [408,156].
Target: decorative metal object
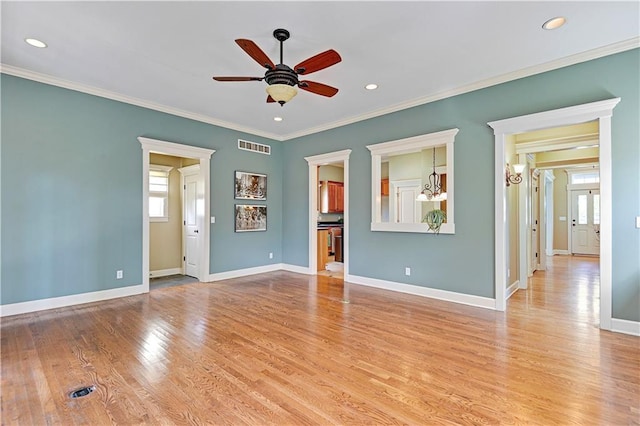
[432,190]
[514,179]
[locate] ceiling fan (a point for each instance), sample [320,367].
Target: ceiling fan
[282,79]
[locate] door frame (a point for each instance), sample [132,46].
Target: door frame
[601,111]
[149,146]
[321,160]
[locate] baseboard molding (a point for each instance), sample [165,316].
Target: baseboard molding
[561,252]
[237,273]
[63,301]
[513,288]
[449,296]
[165,272]
[297,269]
[625,326]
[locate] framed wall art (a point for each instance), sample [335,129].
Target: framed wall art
[250,186]
[250,217]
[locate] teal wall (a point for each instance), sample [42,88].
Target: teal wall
[71,187]
[71,176]
[464,262]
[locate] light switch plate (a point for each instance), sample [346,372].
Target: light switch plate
[562,218]
[213,219]
[638,222]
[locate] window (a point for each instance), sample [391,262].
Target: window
[585,177]
[407,166]
[159,193]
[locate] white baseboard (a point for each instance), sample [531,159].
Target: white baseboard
[449,296]
[244,272]
[561,252]
[165,272]
[625,326]
[515,286]
[63,301]
[297,269]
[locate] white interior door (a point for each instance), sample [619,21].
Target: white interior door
[535,223]
[585,221]
[191,224]
[407,206]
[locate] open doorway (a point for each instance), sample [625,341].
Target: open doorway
[329,213]
[174,185]
[194,240]
[601,112]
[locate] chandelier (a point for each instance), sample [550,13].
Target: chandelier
[432,190]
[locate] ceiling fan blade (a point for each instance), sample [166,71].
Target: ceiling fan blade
[318,62]
[270,99]
[238,78]
[255,52]
[317,88]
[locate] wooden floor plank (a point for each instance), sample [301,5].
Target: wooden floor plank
[283,348]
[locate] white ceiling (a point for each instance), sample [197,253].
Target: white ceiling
[163,54]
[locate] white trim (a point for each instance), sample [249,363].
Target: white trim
[567,142]
[625,326]
[602,111]
[171,148]
[557,252]
[600,52]
[297,269]
[319,160]
[511,290]
[74,299]
[107,94]
[449,296]
[589,55]
[237,273]
[165,272]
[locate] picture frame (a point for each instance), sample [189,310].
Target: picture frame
[250,218]
[250,186]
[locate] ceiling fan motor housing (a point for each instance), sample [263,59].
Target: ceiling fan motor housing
[282,74]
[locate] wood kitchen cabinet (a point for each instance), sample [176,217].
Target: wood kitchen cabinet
[332,197]
[384,186]
[323,253]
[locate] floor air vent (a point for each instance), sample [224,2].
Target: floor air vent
[253,146]
[79,393]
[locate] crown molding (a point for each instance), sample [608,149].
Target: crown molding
[91,90]
[589,55]
[525,72]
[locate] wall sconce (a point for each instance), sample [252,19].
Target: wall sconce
[511,179]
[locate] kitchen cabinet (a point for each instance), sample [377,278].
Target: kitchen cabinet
[332,197]
[384,186]
[323,252]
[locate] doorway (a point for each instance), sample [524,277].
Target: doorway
[203,160]
[504,129]
[316,235]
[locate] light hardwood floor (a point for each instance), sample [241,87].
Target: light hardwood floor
[282,348]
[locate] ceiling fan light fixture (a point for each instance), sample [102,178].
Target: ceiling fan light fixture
[281,93]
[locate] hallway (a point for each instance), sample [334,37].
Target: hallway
[569,290]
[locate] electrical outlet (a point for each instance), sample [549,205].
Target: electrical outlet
[119,274]
[270,255]
[407,271]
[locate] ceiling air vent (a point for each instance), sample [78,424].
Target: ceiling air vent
[255,147]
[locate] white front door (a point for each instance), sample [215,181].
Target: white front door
[191,224]
[585,221]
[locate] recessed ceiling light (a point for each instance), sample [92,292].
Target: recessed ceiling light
[554,23]
[35,42]
[371,86]
[277,118]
